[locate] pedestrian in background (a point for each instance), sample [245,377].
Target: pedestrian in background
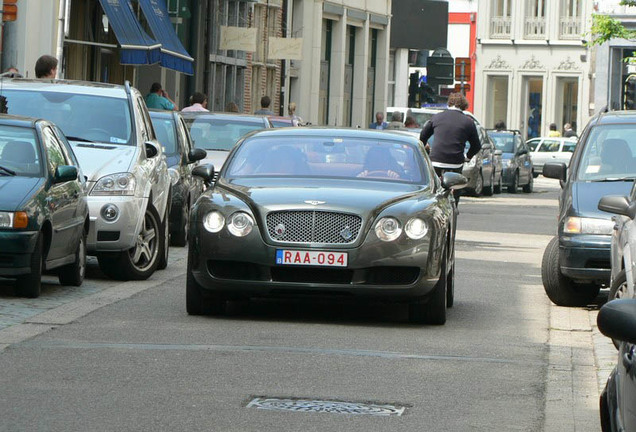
[231,107]
[199,103]
[11,72]
[265,103]
[291,109]
[396,121]
[553,131]
[500,125]
[410,122]
[158,98]
[46,67]
[379,122]
[568,132]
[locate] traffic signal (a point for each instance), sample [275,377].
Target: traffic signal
[439,70]
[629,93]
[9,10]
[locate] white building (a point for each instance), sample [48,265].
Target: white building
[533,67]
[341,79]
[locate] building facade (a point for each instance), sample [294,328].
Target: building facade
[533,67]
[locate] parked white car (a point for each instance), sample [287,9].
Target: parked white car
[128,184]
[550,149]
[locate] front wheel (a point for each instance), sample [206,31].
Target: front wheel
[73,274]
[499,185]
[559,288]
[530,186]
[488,190]
[30,285]
[619,290]
[515,184]
[432,310]
[140,261]
[198,302]
[479,184]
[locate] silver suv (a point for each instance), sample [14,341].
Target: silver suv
[128,182]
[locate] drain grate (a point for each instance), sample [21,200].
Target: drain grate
[325,406]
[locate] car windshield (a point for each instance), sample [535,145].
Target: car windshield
[215,133]
[19,152]
[166,134]
[328,157]
[609,153]
[504,141]
[81,117]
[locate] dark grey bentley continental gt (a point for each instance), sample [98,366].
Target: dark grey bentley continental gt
[325,212]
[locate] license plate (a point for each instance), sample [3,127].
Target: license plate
[313,258]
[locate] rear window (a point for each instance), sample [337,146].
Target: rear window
[609,153]
[211,133]
[503,141]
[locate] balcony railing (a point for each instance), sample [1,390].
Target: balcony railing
[570,27]
[535,28]
[500,27]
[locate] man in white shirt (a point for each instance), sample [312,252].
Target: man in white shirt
[199,103]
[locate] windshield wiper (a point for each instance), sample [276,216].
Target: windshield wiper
[614,179]
[73,138]
[7,171]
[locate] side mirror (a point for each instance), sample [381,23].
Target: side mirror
[498,152]
[522,152]
[151,149]
[555,170]
[454,181]
[64,173]
[617,320]
[206,172]
[618,205]
[196,155]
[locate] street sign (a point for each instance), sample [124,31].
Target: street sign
[462,87]
[9,10]
[462,68]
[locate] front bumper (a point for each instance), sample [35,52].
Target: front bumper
[121,234]
[246,267]
[586,257]
[16,248]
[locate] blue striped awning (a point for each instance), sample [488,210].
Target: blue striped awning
[173,54]
[137,47]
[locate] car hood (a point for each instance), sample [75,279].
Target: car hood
[216,158]
[586,196]
[351,196]
[98,160]
[14,190]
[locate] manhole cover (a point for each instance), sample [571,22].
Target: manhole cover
[325,406]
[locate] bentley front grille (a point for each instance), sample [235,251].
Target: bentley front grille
[308,226]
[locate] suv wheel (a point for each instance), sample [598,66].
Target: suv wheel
[530,186]
[140,261]
[73,274]
[30,285]
[559,288]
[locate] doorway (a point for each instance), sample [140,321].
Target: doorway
[532,113]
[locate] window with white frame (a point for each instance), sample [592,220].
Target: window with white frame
[535,19]
[500,19]
[570,19]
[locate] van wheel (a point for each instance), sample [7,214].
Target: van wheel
[559,288]
[30,285]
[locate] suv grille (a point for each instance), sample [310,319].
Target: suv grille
[307,226]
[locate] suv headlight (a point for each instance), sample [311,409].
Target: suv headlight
[388,229]
[174,176]
[579,225]
[115,184]
[13,220]
[240,224]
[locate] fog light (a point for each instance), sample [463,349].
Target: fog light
[110,212]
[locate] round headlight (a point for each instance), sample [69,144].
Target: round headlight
[240,224]
[416,228]
[213,222]
[388,229]
[108,182]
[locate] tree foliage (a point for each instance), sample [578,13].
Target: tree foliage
[605,28]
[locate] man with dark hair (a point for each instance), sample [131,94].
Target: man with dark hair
[452,129]
[500,125]
[46,67]
[199,103]
[158,98]
[265,103]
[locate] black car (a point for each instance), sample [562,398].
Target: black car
[43,209]
[617,319]
[173,135]
[333,212]
[576,263]
[518,170]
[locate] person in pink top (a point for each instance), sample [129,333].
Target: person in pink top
[199,103]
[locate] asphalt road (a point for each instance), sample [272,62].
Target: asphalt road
[127,356]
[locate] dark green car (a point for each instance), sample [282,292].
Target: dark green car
[43,209]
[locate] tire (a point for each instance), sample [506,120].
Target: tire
[450,284]
[530,186]
[499,186]
[479,184]
[165,244]
[432,310]
[619,290]
[196,302]
[180,237]
[488,190]
[30,285]
[559,288]
[515,184]
[73,274]
[137,263]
